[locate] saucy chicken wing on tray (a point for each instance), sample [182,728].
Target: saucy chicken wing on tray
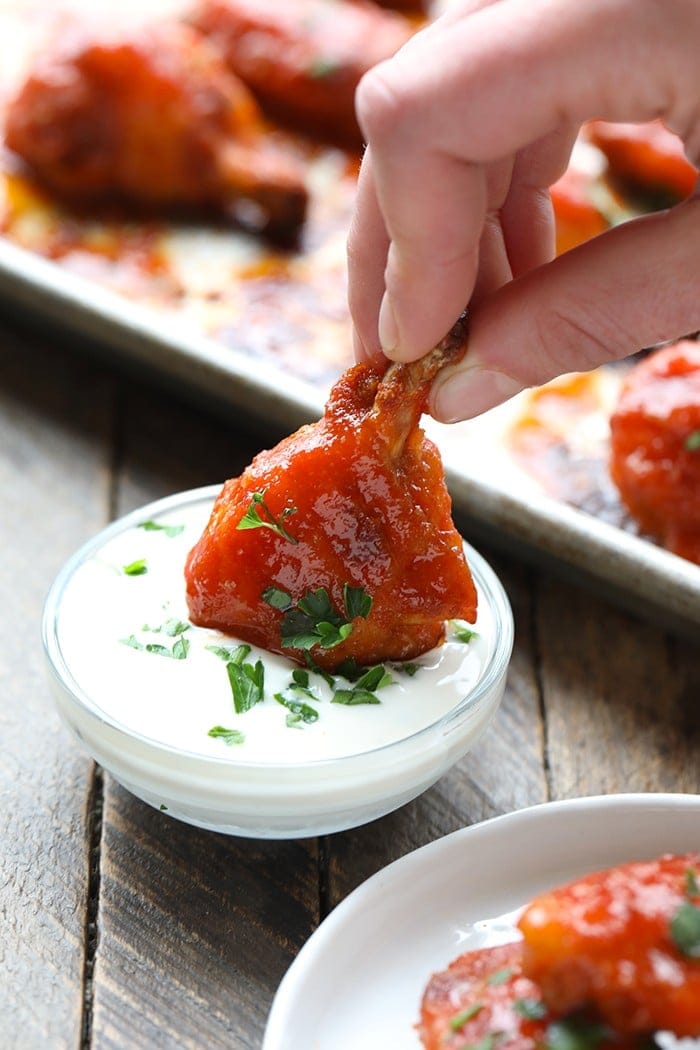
[655,446]
[340,541]
[303,59]
[152,115]
[605,961]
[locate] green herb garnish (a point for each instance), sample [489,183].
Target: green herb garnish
[323,67]
[247,684]
[575,1034]
[232,654]
[179,650]
[314,620]
[163,808]
[170,530]
[487,1043]
[409,669]
[135,568]
[363,692]
[692,886]
[460,633]
[692,442]
[460,1019]
[172,628]
[297,708]
[685,929]
[229,736]
[500,976]
[253,519]
[530,1009]
[313,666]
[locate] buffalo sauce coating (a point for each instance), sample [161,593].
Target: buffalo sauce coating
[605,941]
[478,989]
[362,516]
[655,458]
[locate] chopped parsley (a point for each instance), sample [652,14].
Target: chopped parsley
[409,669]
[460,633]
[322,67]
[135,568]
[692,442]
[500,976]
[313,666]
[297,708]
[172,627]
[170,530]
[530,1009]
[253,517]
[314,620]
[179,650]
[692,886]
[685,929]
[247,683]
[460,1019]
[229,736]
[364,690]
[576,1033]
[163,808]
[231,654]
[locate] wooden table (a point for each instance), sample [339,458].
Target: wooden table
[120,927]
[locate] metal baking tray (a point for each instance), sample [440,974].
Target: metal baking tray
[494,498]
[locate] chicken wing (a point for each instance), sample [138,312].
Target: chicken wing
[152,115]
[303,59]
[339,541]
[624,941]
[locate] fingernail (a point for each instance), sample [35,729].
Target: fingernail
[471,391]
[388,330]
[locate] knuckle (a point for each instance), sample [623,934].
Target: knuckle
[380,104]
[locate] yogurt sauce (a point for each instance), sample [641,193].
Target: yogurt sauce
[177,701]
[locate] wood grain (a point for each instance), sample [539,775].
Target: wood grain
[195,929]
[55,419]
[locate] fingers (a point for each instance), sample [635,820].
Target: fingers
[460,99]
[630,287]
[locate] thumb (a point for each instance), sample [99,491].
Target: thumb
[633,286]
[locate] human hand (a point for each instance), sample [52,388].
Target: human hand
[467,127]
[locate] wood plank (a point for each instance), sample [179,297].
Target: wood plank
[502,773]
[195,929]
[55,419]
[620,699]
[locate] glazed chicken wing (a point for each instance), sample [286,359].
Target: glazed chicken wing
[339,541]
[624,941]
[303,59]
[152,115]
[655,446]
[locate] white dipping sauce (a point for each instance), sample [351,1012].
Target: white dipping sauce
[177,701]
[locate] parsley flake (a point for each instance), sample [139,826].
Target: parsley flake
[253,517]
[500,976]
[530,1009]
[172,627]
[229,736]
[314,620]
[170,530]
[364,690]
[247,683]
[685,930]
[460,1019]
[231,654]
[692,442]
[692,886]
[461,633]
[576,1034]
[135,568]
[297,708]
[179,651]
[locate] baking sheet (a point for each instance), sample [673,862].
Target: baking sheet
[235,323]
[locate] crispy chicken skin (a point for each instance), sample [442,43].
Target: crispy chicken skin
[303,59]
[655,446]
[370,510]
[609,941]
[151,114]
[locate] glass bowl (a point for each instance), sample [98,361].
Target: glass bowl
[144,718]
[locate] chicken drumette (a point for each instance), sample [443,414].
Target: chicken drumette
[339,541]
[153,116]
[303,59]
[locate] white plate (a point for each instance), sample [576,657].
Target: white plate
[358,981]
